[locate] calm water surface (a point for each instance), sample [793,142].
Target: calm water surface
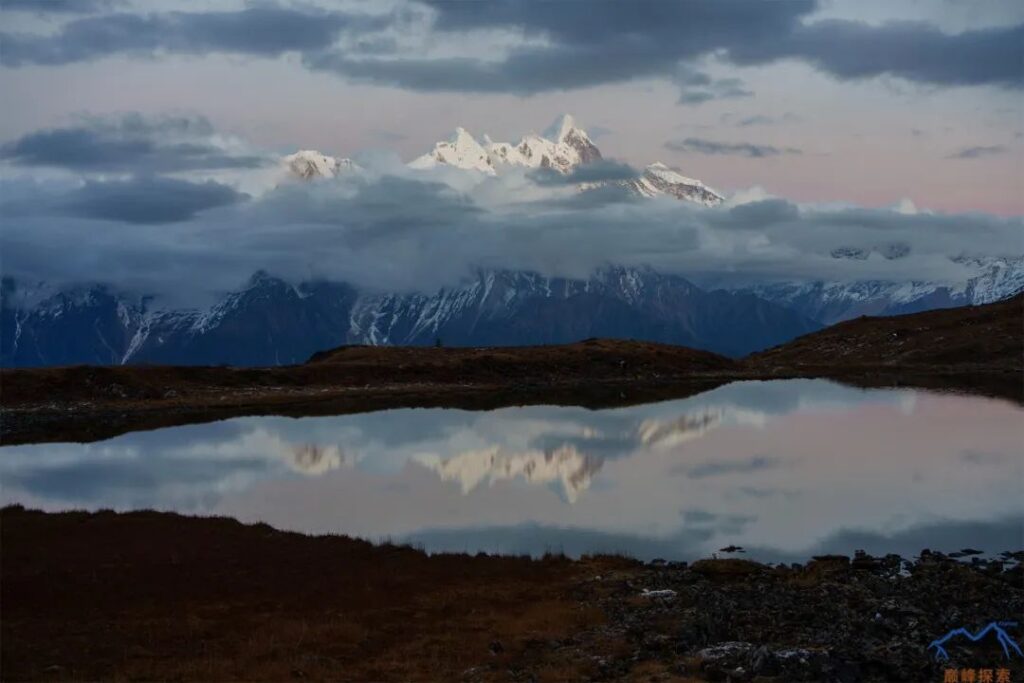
[785,469]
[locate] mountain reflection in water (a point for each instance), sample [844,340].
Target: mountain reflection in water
[783,468]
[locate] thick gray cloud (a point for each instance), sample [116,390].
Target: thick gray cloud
[392,228]
[757,215]
[601,171]
[139,200]
[415,233]
[978,152]
[522,72]
[911,50]
[722,89]
[607,42]
[745,149]
[148,200]
[696,87]
[262,31]
[131,143]
[613,41]
[59,6]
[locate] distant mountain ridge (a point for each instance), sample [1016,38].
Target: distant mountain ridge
[995,278]
[272,322]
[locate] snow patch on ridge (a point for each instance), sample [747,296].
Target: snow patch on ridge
[308,164]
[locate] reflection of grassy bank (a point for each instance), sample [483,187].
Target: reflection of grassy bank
[159,596]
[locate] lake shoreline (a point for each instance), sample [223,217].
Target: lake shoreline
[100,415]
[98,419]
[159,595]
[976,350]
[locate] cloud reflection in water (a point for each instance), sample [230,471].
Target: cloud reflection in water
[782,468]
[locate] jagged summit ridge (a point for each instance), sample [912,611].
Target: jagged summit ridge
[560,129]
[461,150]
[659,179]
[562,147]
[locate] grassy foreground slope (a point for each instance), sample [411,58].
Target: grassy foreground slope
[987,338]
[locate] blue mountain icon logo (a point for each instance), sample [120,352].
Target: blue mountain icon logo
[1008,643]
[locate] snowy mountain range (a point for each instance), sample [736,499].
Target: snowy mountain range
[272,321]
[994,278]
[563,148]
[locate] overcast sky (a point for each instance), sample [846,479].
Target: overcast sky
[879,110]
[861,104]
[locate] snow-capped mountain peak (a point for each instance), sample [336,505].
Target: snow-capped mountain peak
[670,175]
[560,129]
[659,179]
[463,140]
[539,152]
[461,150]
[562,147]
[309,163]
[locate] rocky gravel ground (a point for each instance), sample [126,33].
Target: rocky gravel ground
[158,596]
[835,618]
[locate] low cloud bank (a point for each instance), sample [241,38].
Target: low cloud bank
[192,233]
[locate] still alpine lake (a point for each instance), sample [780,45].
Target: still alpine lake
[785,469]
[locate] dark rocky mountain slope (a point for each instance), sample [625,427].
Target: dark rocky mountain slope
[272,322]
